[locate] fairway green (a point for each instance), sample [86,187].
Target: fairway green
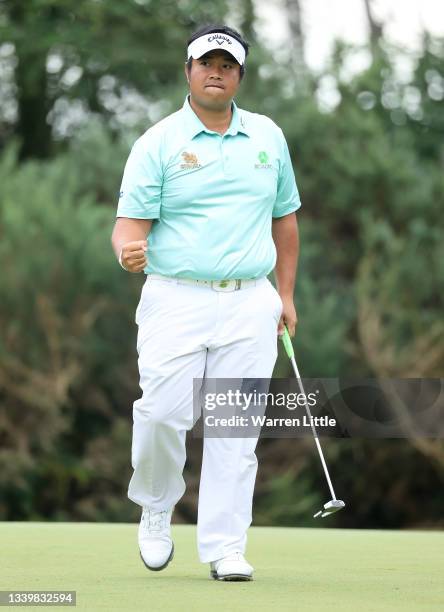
[295,569]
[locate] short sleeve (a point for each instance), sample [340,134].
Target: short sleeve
[287,198]
[141,188]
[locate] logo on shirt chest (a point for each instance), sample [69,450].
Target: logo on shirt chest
[190,161]
[263,161]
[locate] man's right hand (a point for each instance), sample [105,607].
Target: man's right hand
[134,257]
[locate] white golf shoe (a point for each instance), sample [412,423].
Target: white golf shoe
[155,543]
[232,567]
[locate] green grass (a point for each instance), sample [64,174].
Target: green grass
[295,569]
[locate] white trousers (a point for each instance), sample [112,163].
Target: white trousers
[187,332]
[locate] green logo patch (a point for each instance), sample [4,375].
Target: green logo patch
[263,157]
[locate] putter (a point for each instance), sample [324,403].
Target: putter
[334,505]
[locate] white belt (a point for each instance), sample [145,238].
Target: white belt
[216,285]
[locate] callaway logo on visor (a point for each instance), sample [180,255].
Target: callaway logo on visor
[220,39]
[216,40]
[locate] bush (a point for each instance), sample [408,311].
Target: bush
[67,352]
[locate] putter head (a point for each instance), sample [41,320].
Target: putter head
[330,507]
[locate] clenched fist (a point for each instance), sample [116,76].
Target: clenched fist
[133,256]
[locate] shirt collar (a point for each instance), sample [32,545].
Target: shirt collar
[195,126]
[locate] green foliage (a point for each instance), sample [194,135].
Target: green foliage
[289,501]
[67,356]
[94,57]
[324,304]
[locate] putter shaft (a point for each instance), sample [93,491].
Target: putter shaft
[315,434]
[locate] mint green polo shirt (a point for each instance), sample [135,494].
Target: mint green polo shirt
[212,197]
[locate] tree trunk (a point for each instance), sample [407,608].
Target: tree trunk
[376,29]
[294,15]
[248,18]
[32,95]
[32,126]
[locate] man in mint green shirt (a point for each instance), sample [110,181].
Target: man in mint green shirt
[206,211]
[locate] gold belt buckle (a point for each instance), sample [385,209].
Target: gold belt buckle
[226,285]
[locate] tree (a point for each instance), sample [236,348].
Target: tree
[376,28]
[294,15]
[97,53]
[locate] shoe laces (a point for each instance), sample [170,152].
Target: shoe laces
[154,521]
[235,556]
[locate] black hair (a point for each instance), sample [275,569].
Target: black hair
[214,27]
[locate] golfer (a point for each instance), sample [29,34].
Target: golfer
[206,211]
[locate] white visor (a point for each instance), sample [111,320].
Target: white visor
[216,40]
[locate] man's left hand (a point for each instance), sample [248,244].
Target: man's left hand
[288,317]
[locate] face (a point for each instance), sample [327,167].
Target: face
[214,79]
